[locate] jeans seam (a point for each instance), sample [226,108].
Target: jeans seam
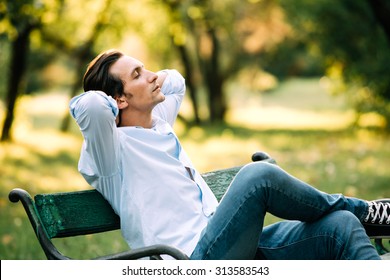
[365,214]
[296,199]
[327,235]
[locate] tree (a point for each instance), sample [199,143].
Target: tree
[184,53]
[351,36]
[48,18]
[23,17]
[222,37]
[103,29]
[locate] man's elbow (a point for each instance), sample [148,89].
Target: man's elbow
[96,105]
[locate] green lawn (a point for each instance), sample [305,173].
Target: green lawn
[303,128]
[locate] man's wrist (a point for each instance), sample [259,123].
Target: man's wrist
[161,77]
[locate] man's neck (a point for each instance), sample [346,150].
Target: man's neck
[142,120]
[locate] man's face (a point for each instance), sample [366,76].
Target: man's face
[141,91]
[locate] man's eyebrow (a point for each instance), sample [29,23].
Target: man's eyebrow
[136,68]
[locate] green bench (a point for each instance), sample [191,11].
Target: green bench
[66,214]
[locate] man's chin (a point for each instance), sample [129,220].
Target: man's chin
[160,99]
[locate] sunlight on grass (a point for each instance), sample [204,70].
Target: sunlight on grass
[220,151]
[295,104]
[371,120]
[41,157]
[279,117]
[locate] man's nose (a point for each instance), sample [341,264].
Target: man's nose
[152,76]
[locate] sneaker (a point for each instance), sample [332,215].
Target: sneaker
[377,221]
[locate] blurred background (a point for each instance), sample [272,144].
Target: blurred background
[306,81]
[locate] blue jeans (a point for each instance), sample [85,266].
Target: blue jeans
[317,226]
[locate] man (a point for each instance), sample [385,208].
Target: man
[132,156]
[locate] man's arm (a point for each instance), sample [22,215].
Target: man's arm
[95,113]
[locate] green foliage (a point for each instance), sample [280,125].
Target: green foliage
[293,58]
[353,45]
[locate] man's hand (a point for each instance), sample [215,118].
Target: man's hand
[161,77]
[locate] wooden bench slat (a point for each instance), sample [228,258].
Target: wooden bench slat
[220,180]
[75,213]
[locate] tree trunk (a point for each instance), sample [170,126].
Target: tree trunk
[20,48]
[190,81]
[381,9]
[214,81]
[217,102]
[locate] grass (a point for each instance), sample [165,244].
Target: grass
[304,129]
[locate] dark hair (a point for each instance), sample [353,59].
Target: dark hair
[97,76]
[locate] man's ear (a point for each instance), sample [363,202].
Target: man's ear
[121,102]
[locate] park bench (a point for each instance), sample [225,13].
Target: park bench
[66,214]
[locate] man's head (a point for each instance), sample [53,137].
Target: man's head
[136,89]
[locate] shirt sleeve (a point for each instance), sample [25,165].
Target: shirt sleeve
[174,89]
[95,114]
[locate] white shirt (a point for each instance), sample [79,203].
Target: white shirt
[142,172]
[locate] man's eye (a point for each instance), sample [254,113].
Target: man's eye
[136,75]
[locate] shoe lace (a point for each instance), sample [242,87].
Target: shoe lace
[378,210]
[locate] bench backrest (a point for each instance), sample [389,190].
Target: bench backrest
[85,212]
[75,213]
